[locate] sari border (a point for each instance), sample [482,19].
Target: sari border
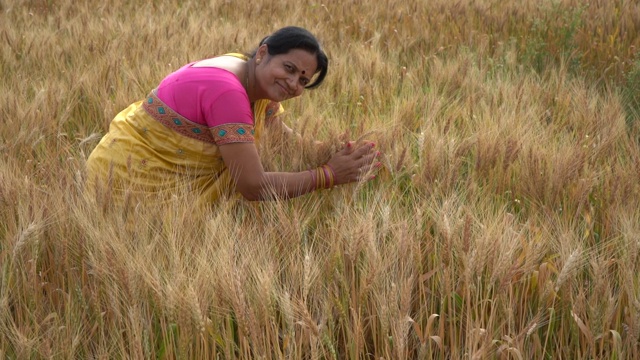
[158,110]
[218,135]
[233,133]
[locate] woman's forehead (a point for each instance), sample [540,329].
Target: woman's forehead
[303,60]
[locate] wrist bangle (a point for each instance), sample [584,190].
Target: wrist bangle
[321,180]
[327,177]
[330,174]
[333,174]
[323,177]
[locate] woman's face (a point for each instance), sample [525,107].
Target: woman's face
[284,76]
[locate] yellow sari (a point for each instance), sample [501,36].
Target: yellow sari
[151,154]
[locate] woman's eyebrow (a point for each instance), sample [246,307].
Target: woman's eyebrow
[303,72]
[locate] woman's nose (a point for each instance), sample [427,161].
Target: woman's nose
[293,83]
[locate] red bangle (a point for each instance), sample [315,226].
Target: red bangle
[334,180]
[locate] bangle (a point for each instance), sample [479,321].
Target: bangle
[328,173]
[333,174]
[321,179]
[327,177]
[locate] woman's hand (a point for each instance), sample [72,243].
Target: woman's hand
[354,163]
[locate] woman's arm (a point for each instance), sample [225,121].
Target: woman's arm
[250,179]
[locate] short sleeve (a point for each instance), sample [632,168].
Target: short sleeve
[229,117]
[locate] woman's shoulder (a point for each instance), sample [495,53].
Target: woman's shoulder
[228,62]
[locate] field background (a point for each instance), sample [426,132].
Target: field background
[505,223]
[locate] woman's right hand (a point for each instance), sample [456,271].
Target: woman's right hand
[354,163]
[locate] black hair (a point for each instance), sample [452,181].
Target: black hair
[292,37]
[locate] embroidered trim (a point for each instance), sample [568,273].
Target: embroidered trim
[219,135]
[174,121]
[233,133]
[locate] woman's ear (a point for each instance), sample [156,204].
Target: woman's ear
[261,53]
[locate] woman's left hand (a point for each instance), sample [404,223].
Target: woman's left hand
[355,163]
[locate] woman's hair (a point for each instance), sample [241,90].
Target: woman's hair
[293,37]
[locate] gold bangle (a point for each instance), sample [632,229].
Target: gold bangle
[321,181]
[330,174]
[327,174]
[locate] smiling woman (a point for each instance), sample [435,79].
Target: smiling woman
[197,131]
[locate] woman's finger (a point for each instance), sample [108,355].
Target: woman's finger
[348,147]
[370,158]
[363,150]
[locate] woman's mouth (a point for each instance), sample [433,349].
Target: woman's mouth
[284,90]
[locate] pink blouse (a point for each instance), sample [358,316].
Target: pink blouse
[206,95]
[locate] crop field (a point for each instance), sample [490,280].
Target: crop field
[504,223]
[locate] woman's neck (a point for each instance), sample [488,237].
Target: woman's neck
[250,80]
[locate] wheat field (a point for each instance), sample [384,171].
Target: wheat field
[505,223]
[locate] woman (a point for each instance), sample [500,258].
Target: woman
[196,131]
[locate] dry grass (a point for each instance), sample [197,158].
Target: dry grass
[505,224]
